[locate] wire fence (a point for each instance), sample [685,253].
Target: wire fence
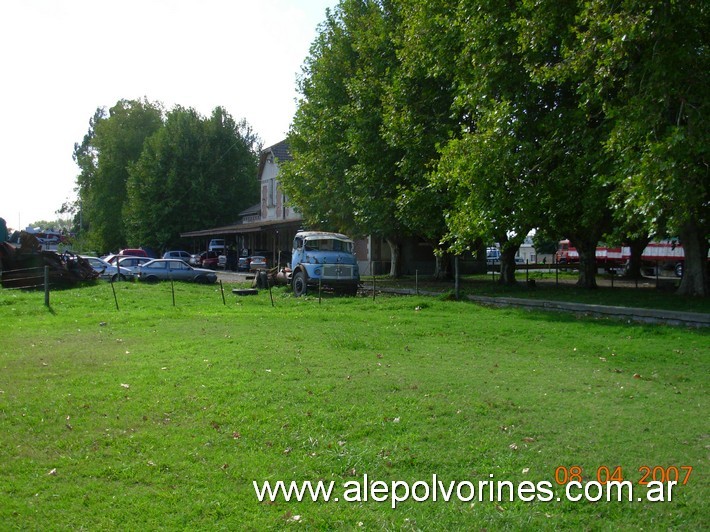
[39,278]
[32,278]
[561,273]
[36,278]
[23,278]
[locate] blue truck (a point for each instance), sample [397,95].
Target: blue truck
[323,259]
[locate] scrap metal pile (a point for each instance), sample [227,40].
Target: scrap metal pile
[23,266]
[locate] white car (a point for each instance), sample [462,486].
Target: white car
[132,264]
[182,255]
[218,245]
[108,271]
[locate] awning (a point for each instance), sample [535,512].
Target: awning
[251,227]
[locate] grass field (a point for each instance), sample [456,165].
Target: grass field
[161,416]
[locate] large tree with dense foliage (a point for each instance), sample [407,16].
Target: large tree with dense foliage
[490,165]
[646,64]
[573,201]
[193,172]
[114,141]
[524,155]
[343,174]
[418,117]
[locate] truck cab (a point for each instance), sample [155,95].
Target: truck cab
[325,259]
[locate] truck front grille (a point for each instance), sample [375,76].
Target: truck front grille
[337,271]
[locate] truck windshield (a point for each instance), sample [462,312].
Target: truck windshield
[328,244]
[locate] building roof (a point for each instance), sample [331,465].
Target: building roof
[279,152]
[254,209]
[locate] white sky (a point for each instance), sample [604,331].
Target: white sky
[61,59]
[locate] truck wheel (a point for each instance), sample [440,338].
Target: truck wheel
[679,269]
[300,285]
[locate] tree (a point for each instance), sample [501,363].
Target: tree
[491,166]
[343,174]
[114,141]
[193,172]
[646,64]
[315,180]
[418,117]
[491,178]
[571,134]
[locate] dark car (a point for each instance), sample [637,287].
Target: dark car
[174,269]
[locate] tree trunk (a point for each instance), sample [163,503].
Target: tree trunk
[636,245]
[587,247]
[394,255]
[695,267]
[441,270]
[507,264]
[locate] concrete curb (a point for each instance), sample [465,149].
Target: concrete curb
[641,315]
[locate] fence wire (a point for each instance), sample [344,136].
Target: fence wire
[22,275]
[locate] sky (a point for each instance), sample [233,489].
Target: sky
[60,60]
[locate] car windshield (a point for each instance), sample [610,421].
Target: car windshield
[328,244]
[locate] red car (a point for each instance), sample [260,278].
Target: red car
[206,259]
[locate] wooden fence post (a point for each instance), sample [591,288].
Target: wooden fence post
[46,286]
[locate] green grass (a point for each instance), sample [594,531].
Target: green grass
[157,416]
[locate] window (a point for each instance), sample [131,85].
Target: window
[271,199]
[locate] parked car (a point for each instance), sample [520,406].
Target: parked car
[108,271]
[257,262]
[492,256]
[243,264]
[174,269]
[206,259]
[217,245]
[110,258]
[183,255]
[133,252]
[132,264]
